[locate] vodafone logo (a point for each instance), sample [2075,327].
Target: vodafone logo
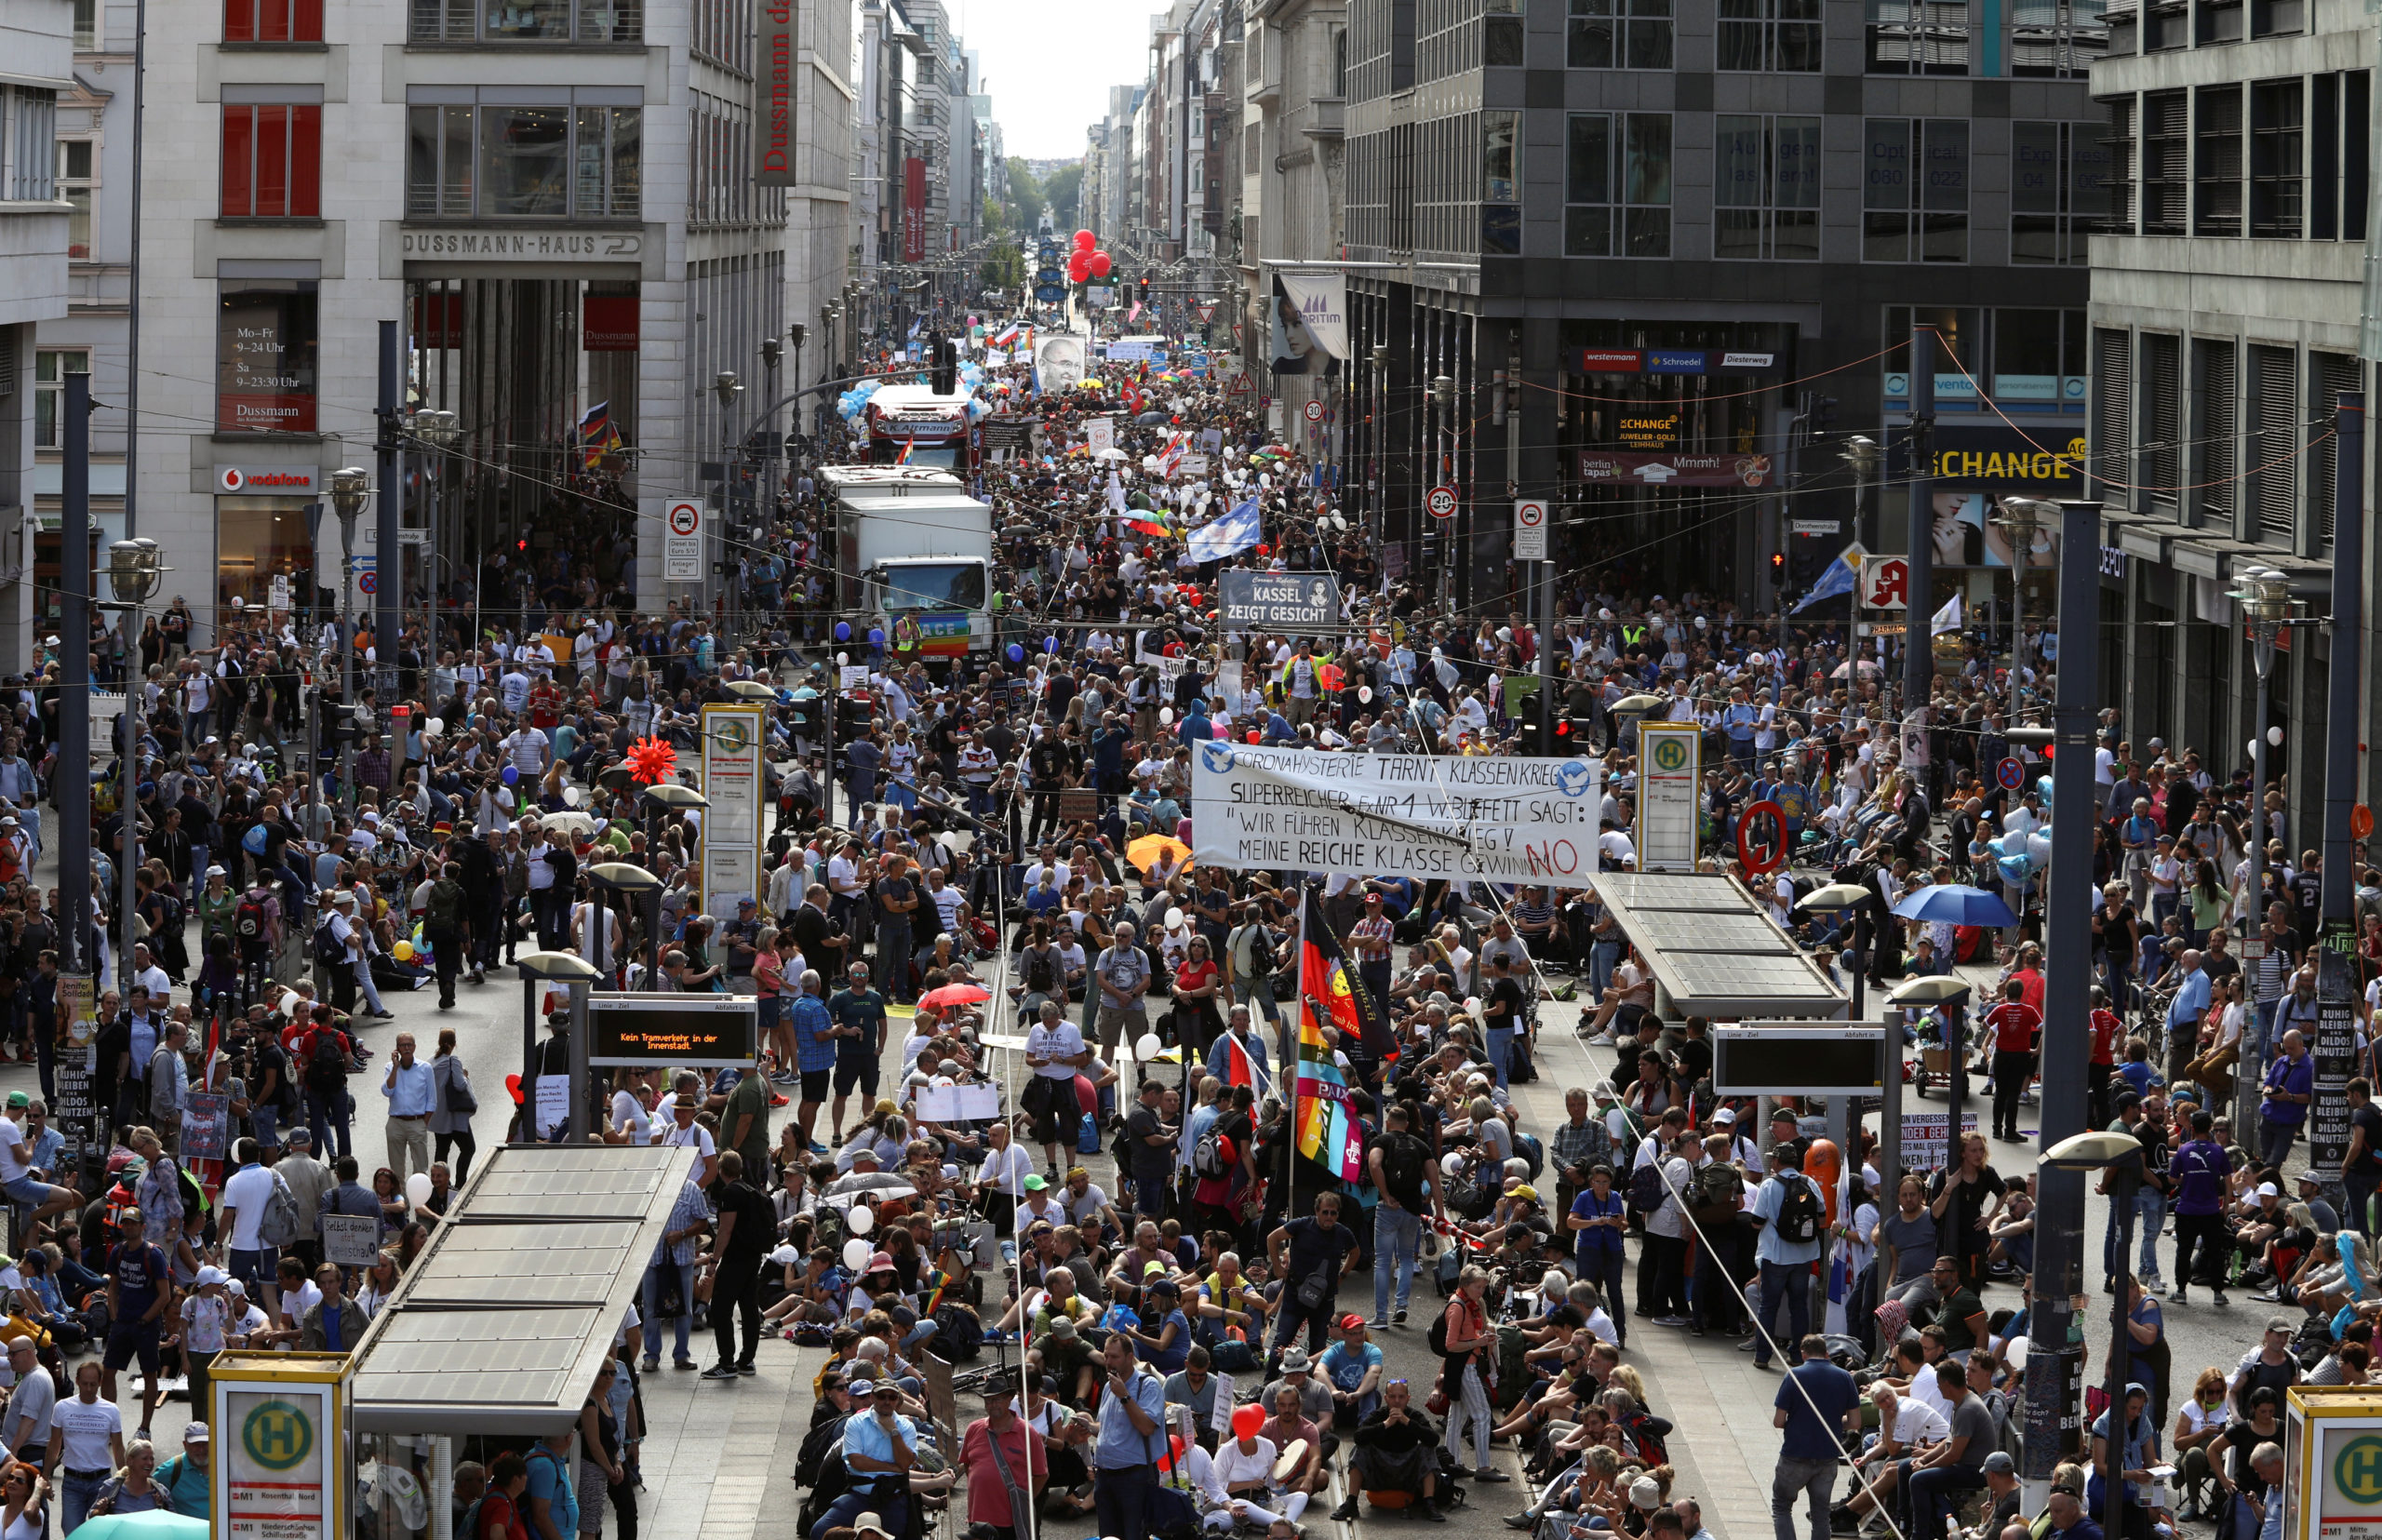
[231,478]
[249,478]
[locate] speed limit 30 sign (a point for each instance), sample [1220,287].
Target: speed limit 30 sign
[1314,411]
[1440,503]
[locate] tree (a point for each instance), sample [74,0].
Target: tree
[1062,190]
[1025,194]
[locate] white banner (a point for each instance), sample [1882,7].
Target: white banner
[1503,820]
[1099,434]
[733,825]
[1317,302]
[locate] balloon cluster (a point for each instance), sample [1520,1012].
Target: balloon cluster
[2020,856]
[848,405]
[1084,264]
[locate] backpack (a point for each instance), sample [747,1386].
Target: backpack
[446,908]
[1526,1147]
[279,1226]
[247,920]
[1712,1196]
[326,1063]
[1799,1215]
[1402,1159]
[1208,1156]
[1646,1191]
[329,950]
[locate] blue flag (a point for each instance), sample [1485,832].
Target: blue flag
[1838,579]
[1228,536]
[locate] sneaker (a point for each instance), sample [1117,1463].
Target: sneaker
[1398,1320]
[1346,1510]
[653,1366]
[684,1363]
[718,1371]
[747,1371]
[1428,1514]
[1513,1520]
[1670,1320]
[2179,1296]
[2216,1296]
[1486,1474]
[1378,1322]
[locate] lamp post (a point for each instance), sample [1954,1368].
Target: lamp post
[627,878]
[2121,1156]
[1951,992]
[2023,517]
[537,968]
[135,570]
[1837,898]
[1441,392]
[1862,457]
[436,430]
[351,487]
[2265,598]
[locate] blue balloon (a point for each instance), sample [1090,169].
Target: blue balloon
[876,635]
[843,631]
[1049,644]
[1016,654]
[253,841]
[512,776]
[2016,868]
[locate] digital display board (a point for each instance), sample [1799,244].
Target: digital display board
[690,1031]
[1843,1060]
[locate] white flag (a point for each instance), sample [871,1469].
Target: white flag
[1946,619]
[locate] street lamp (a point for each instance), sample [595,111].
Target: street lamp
[2121,1156]
[567,968]
[627,878]
[438,429]
[135,570]
[351,488]
[2023,517]
[1951,992]
[1862,457]
[2264,595]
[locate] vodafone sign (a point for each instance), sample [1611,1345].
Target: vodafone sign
[267,480]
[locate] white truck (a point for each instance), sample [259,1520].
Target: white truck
[912,545]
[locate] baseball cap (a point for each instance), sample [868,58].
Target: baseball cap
[2267,1190]
[2000,1464]
[19,1099]
[195,1433]
[1723,1117]
[1350,1321]
[1035,1183]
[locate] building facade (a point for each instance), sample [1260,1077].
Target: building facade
[2225,295]
[37,220]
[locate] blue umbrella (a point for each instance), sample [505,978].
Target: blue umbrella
[1956,903]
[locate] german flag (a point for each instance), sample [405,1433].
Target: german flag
[1329,996]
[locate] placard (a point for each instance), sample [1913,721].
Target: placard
[1923,1148]
[1100,434]
[672,1031]
[207,1122]
[1280,601]
[350,1239]
[959,1104]
[1503,819]
[553,1106]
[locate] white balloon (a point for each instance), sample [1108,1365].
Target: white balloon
[860,1219]
[856,1254]
[2254,749]
[1166,717]
[418,1188]
[843,659]
[1365,694]
[2274,736]
[435,726]
[571,796]
[1148,1048]
[1174,918]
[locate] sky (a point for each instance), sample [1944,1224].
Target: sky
[1049,66]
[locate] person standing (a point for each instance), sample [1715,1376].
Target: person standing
[1007,1464]
[2016,1028]
[1398,1164]
[412,1094]
[33,1405]
[1817,1404]
[1125,1458]
[88,1446]
[1313,1255]
[746,1226]
[1791,1214]
[451,1120]
[2290,1085]
[447,926]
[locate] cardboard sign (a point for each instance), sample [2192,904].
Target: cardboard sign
[350,1240]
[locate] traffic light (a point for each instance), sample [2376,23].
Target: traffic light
[1146,288]
[1777,569]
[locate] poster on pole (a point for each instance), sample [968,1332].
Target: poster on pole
[1058,364]
[1670,757]
[734,776]
[1500,819]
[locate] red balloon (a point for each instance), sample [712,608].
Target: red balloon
[1099,264]
[1084,240]
[1078,272]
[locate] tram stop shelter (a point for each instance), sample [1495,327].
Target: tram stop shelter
[1714,949]
[494,1335]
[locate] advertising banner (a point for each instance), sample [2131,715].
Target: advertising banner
[1320,302]
[733,773]
[1674,470]
[775,50]
[913,209]
[1293,346]
[607,323]
[265,335]
[1502,819]
[2045,462]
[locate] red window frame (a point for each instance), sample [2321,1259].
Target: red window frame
[273,20]
[273,161]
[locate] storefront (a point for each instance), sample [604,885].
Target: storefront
[264,546]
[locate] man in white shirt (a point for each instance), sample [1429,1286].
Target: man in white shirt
[1054,1051]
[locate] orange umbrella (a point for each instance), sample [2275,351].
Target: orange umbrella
[951,995]
[1145,851]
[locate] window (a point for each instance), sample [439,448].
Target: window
[2166,167]
[273,161]
[2273,18]
[2112,406]
[1770,35]
[86,26]
[2217,418]
[74,185]
[500,162]
[2159,449]
[1618,185]
[2277,136]
[529,22]
[1501,231]
[1620,34]
[1918,37]
[2038,357]
[2056,39]
[2338,158]
[1916,196]
[33,168]
[1766,188]
[264,356]
[2118,148]
[273,20]
[2329,376]
[2057,190]
[2275,440]
[2216,20]
[51,366]
[2216,162]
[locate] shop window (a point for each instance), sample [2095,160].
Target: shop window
[1770,35]
[504,162]
[259,539]
[1618,185]
[1766,188]
[1916,192]
[273,161]
[51,366]
[265,337]
[1620,34]
[273,20]
[78,178]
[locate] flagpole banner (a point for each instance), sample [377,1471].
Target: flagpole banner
[1495,818]
[1319,300]
[1327,1134]
[1058,363]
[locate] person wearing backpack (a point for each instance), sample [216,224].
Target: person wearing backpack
[1791,1214]
[447,926]
[1398,1164]
[256,930]
[325,1052]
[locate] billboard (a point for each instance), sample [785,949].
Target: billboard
[913,209]
[774,52]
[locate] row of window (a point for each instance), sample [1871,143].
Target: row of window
[2283,159]
[300,21]
[2046,39]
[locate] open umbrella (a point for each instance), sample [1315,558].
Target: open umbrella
[1111,453]
[1955,903]
[951,995]
[1868,669]
[570,821]
[1144,852]
[150,1525]
[877,1187]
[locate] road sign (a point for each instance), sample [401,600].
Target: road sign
[1205,311]
[1885,583]
[368,581]
[1239,385]
[2011,773]
[682,546]
[413,537]
[1314,411]
[1529,530]
[1671,776]
[1440,503]
[1762,837]
[1815,526]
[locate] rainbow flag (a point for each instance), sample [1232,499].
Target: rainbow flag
[1327,1130]
[904,458]
[598,435]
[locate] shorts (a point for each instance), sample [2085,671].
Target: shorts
[125,1343]
[814,1084]
[1113,1020]
[28,1189]
[860,1072]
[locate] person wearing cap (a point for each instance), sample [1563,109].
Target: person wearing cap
[1351,1369]
[206,1314]
[881,1449]
[19,1164]
[1007,1466]
[185,1477]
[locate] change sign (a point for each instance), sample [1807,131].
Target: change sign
[1503,820]
[1281,601]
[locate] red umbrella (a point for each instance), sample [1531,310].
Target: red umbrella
[954,994]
